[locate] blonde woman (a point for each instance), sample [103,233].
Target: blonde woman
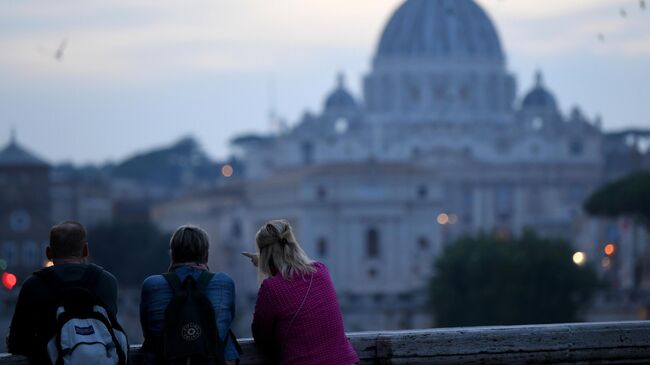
[297,314]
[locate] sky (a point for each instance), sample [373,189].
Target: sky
[136,74]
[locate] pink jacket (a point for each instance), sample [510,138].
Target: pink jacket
[316,335]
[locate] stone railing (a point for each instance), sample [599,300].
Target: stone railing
[590,343]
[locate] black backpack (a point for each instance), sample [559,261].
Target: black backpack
[86,332]
[190,335]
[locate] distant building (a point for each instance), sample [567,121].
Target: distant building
[25,205]
[440,145]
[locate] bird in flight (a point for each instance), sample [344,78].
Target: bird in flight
[58,55]
[642,4]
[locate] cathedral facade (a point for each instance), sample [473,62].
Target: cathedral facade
[438,146]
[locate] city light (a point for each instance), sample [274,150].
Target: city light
[227,171]
[606,263]
[9,280]
[453,219]
[48,263]
[579,258]
[610,249]
[443,218]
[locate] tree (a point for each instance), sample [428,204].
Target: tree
[629,196]
[131,251]
[488,281]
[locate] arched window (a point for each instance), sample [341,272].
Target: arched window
[322,247]
[372,243]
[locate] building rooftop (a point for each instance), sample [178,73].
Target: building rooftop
[16,155]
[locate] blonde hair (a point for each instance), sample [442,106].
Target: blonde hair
[279,250]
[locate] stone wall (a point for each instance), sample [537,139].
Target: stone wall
[592,343]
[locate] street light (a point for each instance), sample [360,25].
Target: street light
[579,258]
[9,280]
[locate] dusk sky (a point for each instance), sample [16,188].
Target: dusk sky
[137,74]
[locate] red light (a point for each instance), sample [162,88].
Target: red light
[610,249]
[9,280]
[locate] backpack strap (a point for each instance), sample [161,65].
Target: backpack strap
[174,282]
[51,278]
[204,280]
[91,275]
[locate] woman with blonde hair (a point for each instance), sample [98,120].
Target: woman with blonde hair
[297,314]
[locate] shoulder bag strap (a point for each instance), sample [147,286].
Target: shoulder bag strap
[301,304]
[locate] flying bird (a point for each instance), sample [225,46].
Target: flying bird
[601,37]
[623,13]
[58,55]
[642,4]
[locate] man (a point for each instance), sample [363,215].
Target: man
[34,321]
[189,247]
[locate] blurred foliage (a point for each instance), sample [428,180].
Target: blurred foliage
[629,196]
[169,166]
[130,251]
[490,281]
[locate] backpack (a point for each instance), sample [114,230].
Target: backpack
[190,335]
[85,331]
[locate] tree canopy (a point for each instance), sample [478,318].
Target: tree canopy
[131,251]
[627,196]
[488,281]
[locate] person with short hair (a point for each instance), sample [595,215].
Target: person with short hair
[34,321]
[297,316]
[189,248]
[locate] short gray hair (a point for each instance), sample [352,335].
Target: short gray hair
[189,244]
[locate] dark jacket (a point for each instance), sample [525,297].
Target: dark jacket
[34,320]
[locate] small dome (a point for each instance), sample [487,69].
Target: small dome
[539,98]
[340,98]
[440,29]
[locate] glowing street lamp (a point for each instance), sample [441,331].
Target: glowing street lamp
[227,171]
[443,218]
[610,249]
[579,258]
[9,280]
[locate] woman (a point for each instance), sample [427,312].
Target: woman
[297,312]
[189,248]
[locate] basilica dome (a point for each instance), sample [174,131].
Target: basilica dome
[440,29]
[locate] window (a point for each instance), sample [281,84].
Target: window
[322,248]
[321,193]
[235,229]
[576,148]
[307,153]
[504,201]
[423,244]
[372,243]
[29,254]
[423,191]
[9,252]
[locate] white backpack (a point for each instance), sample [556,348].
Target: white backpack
[86,334]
